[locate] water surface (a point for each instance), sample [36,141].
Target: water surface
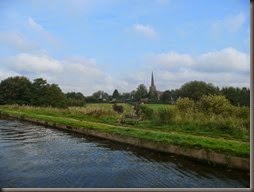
[36,156]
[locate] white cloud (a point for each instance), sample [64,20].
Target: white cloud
[145,30]
[82,65]
[24,62]
[225,67]
[35,25]
[226,60]
[42,31]
[230,23]
[17,41]
[172,60]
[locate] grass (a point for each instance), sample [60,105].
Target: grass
[159,106]
[101,117]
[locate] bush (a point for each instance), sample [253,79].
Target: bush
[147,112]
[118,108]
[242,112]
[215,104]
[185,105]
[166,115]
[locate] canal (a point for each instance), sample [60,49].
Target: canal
[37,156]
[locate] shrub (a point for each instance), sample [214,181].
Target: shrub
[242,112]
[147,112]
[215,104]
[118,108]
[166,115]
[185,105]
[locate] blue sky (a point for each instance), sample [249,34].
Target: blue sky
[86,46]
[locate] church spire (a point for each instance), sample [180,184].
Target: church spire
[152,81]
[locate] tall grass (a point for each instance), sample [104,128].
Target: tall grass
[61,116]
[212,116]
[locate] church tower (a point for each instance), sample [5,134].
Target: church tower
[152,90]
[152,87]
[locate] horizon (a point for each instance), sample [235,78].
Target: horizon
[86,46]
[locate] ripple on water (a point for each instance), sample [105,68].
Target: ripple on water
[35,156]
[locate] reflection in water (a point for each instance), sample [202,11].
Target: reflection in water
[35,156]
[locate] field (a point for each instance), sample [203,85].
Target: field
[159,106]
[102,117]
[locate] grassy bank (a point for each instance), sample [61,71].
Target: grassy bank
[104,119]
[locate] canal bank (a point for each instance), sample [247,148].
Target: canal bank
[203,155]
[37,156]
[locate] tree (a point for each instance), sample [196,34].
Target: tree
[141,92]
[55,97]
[98,96]
[236,95]
[115,94]
[166,96]
[244,97]
[75,99]
[39,90]
[91,99]
[15,90]
[196,89]
[44,94]
[175,93]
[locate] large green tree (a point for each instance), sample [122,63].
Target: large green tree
[141,92]
[44,94]
[196,89]
[15,90]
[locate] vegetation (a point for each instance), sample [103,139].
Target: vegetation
[196,89]
[197,115]
[20,90]
[75,99]
[72,117]
[141,92]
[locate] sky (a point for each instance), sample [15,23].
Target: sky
[91,45]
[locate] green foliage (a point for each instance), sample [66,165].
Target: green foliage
[166,115]
[147,112]
[237,96]
[166,97]
[19,90]
[141,92]
[75,99]
[98,96]
[196,89]
[115,94]
[214,104]
[45,94]
[185,105]
[15,90]
[160,135]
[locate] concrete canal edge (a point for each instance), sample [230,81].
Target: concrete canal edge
[210,157]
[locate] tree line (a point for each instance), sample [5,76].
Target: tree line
[20,90]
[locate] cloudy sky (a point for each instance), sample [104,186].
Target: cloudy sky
[90,45]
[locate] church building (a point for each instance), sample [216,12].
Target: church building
[153,94]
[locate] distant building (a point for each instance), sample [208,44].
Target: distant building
[153,94]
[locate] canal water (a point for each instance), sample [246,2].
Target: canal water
[36,156]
